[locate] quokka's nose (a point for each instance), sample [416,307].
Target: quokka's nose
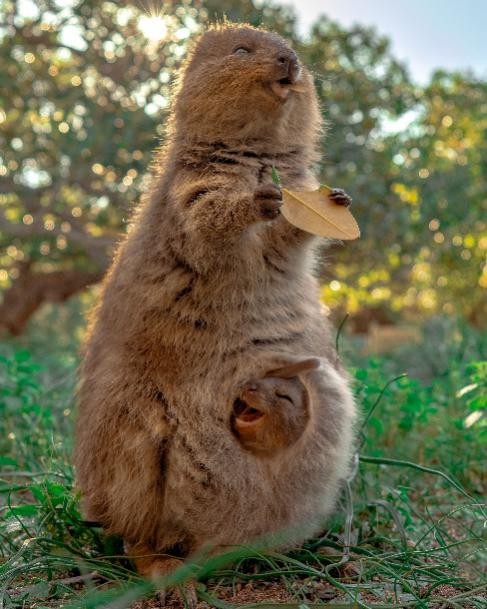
[289,61]
[287,57]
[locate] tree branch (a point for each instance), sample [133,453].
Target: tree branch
[30,290]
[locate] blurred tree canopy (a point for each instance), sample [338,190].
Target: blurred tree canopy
[83,88]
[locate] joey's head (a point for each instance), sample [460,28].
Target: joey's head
[245,83]
[272,413]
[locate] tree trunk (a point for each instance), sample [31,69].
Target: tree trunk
[30,290]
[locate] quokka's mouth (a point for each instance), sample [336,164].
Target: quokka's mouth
[245,414]
[283,86]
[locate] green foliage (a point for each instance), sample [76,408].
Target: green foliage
[20,405]
[423,422]
[410,521]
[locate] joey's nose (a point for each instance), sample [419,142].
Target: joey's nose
[252,387]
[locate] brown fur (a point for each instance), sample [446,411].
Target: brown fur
[206,292]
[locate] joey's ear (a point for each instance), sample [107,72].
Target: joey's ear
[296,368]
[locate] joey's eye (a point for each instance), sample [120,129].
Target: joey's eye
[284,397]
[241,51]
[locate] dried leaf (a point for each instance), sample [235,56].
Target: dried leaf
[315,213]
[297,88]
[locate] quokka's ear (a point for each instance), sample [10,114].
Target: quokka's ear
[296,368]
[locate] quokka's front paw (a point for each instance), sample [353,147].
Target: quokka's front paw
[340,197]
[269,201]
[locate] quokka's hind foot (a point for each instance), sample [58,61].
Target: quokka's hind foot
[184,593]
[156,567]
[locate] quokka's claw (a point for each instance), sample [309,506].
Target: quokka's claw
[269,198]
[340,197]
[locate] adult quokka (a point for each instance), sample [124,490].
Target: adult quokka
[211,287]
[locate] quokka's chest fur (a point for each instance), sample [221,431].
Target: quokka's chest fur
[207,324]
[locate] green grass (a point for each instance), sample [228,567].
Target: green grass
[410,521]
